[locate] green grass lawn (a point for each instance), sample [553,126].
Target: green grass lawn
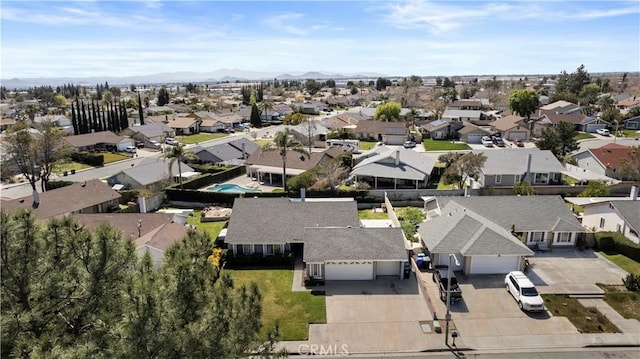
[442,185]
[623,262]
[369,214]
[262,143]
[583,136]
[367,145]
[293,311]
[68,166]
[624,302]
[442,145]
[110,157]
[213,228]
[199,137]
[586,320]
[628,133]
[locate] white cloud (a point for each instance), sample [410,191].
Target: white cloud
[283,21]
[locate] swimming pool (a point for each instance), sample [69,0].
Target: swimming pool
[231,188]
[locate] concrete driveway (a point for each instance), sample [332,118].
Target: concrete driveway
[570,271]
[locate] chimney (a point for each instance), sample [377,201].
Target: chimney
[527,175]
[244,153]
[633,195]
[397,157]
[303,194]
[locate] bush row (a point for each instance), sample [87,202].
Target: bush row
[90,159]
[279,260]
[617,242]
[57,184]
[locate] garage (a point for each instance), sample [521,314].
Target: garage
[474,138]
[351,270]
[387,268]
[494,264]
[443,259]
[512,135]
[593,127]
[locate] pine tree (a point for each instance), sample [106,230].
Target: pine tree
[74,119]
[124,120]
[140,111]
[85,120]
[255,117]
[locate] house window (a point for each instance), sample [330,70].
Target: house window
[563,237]
[315,270]
[541,178]
[258,248]
[517,179]
[246,249]
[270,250]
[498,178]
[536,237]
[601,222]
[239,249]
[277,248]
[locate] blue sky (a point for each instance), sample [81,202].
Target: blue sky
[120,38]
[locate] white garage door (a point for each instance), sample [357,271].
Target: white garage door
[472,138]
[512,135]
[350,270]
[591,128]
[493,264]
[444,260]
[388,268]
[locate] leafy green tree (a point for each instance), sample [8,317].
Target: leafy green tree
[589,93]
[284,142]
[294,118]
[524,102]
[331,83]
[312,86]
[595,189]
[389,111]
[463,168]
[382,83]
[560,140]
[177,153]
[630,167]
[523,188]
[163,96]
[255,119]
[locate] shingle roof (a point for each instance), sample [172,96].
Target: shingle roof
[471,128]
[151,130]
[514,161]
[525,213]
[182,122]
[163,237]
[412,165]
[611,154]
[460,230]
[324,244]
[630,210]
[294,159]
[279,220]
[461,113]
[127,223]
[377,126]
[65,200]
[508,122]
[150,171]
[91,139]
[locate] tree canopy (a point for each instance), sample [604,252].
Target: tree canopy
[70,292]
[283,142]
[630,167]
[523,102]
[560,140]
[389,111]
[462,167]
[163,96]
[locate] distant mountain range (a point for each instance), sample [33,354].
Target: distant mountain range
[230,75]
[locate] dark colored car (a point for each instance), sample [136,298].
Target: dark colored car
[441,277]
[139,144]
[518,142]
[409,144]
[498,141]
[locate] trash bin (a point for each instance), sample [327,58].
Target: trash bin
[407,270]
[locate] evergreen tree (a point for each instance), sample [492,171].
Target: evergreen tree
[85,119]
[74,120]
[94,118]
[255,116]
[163,96]
[140,111]
[124,120]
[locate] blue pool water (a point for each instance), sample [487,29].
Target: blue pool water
[231,188]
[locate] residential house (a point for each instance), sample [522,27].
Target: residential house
[158,110]
[159,240]
[344,120]
[562,107]
[440,129]
[628,103]
[612,214]
[185,125]
[364,113]
[465,105]
[512,166]
[327,231]
[385,167]
[229,153]
[103,140]
[132,225]
[471,133]
[7,122]
[309,108]
[310,133]
[512,127]
[462,115]
[581,121]
[266,166]
[605,160]
[92,196]
[490,234]
[632,123]
[151,132]
[390,133]
[150,173]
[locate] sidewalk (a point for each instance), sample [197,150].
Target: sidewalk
[627,326]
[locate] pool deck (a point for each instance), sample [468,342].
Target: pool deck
[246,182]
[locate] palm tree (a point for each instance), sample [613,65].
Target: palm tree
[176,154]
[283,143]
[266,106]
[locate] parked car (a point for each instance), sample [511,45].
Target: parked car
[130,149]
[139,144]
[409,144]
[171,141]
[518,142]
[154,144]
[441,277]
[523,291]
[498,141]
[603,132]
[486,140]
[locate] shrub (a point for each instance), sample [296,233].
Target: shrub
[90,159]
[57,184]
[285,259]
[632,282]
[618,243]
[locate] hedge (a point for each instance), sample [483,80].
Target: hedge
[207,168]
[617,242]
[90,159]
[286,259]
[210,179]
[190,195]
[57,184]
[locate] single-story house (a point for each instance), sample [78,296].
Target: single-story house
[150,132]
[474,105]
[479,245]
[512,127]
[390,133]
[92,196]
[581,121]
[310,131]
[150,172]
[326,231]
[462,115]
[158,110]
[440,129]
[471,133]
[632,123]
[309,108]
[132,225]
[344,120]
[628,103]
[385,167]
[185,125]
[605,160]
[159,240]
[562,107]
[615,214]
[353,253]
[490,234]
[99,140]
[512,166]
[226,153]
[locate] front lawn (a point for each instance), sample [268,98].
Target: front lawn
[583,136]
[628,133]
[68,166]
[624,262]
[262,143]
[586,320]
[199,137]
[293,311]
[212,228]
[367,145]
[443,145]
[370,214]
[110,157]
[624,302]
